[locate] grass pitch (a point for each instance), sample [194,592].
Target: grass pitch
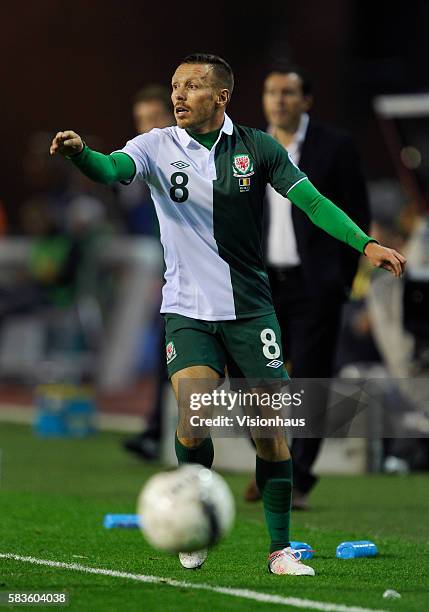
[54,494]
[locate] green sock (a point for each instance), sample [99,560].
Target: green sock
[202,454]
[274,480]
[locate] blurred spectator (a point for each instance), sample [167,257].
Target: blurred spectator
[404,354]
[152,109]
[54,180]
[65,220]
[355,340]
[66,208]
[50,278]
[310,273]
[356,344]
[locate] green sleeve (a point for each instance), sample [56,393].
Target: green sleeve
[104,168]
[327,216]
[281,172]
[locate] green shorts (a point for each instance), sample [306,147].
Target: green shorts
[247,348]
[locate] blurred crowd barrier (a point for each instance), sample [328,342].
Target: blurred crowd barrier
[91,336]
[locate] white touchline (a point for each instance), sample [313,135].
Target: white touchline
[295,602]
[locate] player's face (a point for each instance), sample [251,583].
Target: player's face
[284,101]
[151,114]
[196,98]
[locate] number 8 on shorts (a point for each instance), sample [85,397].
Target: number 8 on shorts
[270,347]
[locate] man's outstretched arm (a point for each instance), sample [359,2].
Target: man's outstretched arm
[338,224]
[96,166]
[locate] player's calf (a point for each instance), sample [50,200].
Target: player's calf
[194,450]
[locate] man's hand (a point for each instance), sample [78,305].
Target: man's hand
[382,257]
[67,143]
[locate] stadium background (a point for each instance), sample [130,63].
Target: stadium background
[80,64]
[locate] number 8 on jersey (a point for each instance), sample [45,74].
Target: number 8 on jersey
[179,187]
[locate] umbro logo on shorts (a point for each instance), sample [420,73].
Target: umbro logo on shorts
[275,363]
[180,165]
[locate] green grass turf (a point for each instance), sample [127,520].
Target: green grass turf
[54,494]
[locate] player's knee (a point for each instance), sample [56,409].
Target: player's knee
[272,449]
[190,442]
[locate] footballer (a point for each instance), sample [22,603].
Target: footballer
[207,177]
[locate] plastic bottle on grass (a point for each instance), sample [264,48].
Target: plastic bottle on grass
[359,548]
[126,521]
[304,550]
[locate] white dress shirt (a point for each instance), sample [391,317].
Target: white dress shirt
[282,249]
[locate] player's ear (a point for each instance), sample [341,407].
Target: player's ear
[223,97]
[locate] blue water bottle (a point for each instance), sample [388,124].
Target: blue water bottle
[303,549]
[360,548]
[127,521]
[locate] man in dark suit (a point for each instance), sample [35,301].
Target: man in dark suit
[310,272]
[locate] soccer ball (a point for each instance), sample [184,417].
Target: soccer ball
[185,510]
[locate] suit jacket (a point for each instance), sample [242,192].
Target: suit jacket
[331,161]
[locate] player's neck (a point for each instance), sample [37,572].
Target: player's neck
[211,125]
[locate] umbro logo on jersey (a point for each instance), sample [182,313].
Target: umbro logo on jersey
[180,165]
[170,351]
[275,363]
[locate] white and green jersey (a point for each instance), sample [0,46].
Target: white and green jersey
[210,206]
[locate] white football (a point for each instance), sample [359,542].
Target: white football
[185,510]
